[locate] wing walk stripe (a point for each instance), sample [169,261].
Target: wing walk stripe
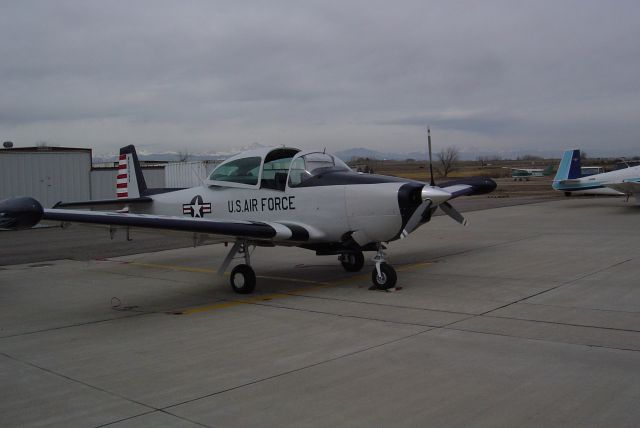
[298,233]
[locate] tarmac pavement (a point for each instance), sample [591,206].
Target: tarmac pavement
[530,316]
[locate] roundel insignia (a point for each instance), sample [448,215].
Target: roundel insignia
[196,208]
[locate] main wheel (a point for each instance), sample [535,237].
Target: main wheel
[352,262]
[387,278]
[243,279]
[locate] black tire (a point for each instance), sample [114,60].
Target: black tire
[388,278]
[243,279]
[352,262]
[567,194]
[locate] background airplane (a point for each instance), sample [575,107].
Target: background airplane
[519,174]
[268,197]
[620,182]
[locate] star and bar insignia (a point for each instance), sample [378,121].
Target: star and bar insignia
[197,208]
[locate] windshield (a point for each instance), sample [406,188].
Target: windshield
[244,170]
[312,164]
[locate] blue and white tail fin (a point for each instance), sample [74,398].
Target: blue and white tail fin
[129,181]
[569,166]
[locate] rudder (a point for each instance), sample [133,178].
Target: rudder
[130,182]
[569,165]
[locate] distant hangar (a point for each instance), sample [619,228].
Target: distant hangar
[53,174]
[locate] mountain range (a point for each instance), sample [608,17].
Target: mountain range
[345,155]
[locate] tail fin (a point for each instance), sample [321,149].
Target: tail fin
[130,181]
[569,165]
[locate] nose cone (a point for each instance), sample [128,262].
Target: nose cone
[436,196]
[19,213]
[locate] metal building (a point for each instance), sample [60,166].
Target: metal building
[53,174]
[49,174]
[188,174]
[103,180]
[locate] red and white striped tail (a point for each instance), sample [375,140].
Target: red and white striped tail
[126,179]
[122,179]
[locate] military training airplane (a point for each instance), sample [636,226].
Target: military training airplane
[269,197]
[620,182]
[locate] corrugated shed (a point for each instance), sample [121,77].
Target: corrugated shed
[188,174]
[47,174]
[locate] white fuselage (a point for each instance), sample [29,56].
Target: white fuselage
[327,212]
[596,184]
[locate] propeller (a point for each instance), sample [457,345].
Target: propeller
[415,219]
[431,197]
[453,213]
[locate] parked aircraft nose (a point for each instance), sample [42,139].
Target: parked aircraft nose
[436,196]
[19,213]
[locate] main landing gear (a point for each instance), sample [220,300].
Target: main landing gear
[384,275]
[243,277]
[352,262]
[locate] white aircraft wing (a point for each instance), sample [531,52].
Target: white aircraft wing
[628,187]
[252,230]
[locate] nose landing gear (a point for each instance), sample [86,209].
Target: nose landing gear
[384,275]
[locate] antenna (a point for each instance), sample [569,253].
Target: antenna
[432,182]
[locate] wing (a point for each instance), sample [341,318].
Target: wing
[468,186]
[253,230]
[628,187]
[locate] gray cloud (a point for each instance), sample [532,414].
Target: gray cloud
[208,75]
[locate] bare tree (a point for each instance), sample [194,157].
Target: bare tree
[183,156]
[448,158]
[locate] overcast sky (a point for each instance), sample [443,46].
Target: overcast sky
[206,76]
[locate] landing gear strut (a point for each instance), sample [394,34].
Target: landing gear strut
[352,262]
[243,277]
[383,276]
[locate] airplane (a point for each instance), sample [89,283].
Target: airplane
[621,182]
[519,174]
[268,197]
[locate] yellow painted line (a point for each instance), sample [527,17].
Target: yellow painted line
[303,281]
[171,267]
[204,270]
[314,285]
[412,266]
[230,304]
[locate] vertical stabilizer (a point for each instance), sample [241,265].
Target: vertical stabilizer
[129,181]
[569,166]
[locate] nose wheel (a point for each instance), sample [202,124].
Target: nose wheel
[384,275]
[384,279]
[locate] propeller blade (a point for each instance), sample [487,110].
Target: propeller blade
[453,213]
[415,219]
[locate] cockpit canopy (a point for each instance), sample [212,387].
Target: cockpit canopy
[273,168]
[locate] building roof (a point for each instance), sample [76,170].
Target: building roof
[47,149]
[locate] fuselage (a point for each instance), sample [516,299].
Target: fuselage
[596,184]
[327,212]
